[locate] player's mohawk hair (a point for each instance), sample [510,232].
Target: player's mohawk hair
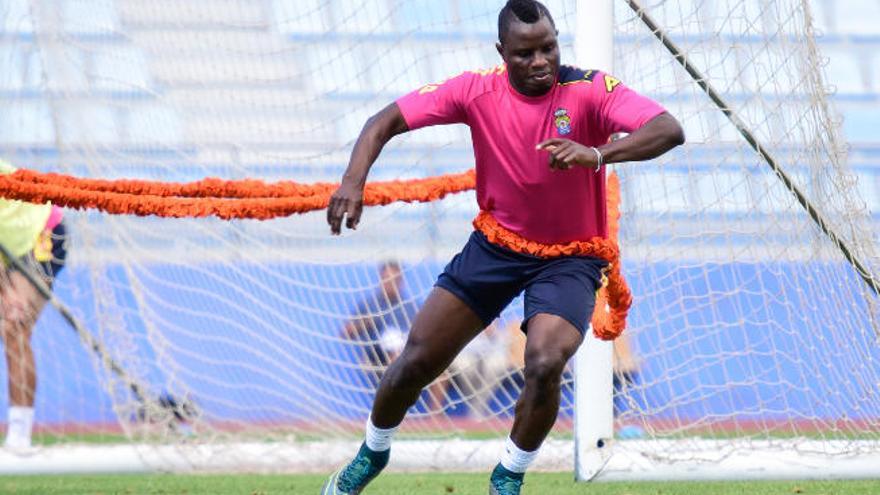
[528,11]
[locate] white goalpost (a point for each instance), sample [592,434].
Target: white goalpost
[593,384]
[199,344]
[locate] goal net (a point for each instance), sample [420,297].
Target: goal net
[257,345]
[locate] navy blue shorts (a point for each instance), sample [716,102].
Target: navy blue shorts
[488,277]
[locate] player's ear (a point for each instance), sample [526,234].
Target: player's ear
[499,48]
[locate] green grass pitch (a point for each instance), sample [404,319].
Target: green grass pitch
[403,484]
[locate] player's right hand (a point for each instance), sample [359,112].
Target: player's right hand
[348,201]
[565,154]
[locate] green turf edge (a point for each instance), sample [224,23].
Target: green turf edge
[404,484]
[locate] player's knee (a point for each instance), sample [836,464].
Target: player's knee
[15,348]
[544,368]
[412,370]
[18,317]
[12,331]
[16,328]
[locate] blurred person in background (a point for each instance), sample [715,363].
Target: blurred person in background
[626,378]
[380,325]
[381,319]
[35,235]
[480,369]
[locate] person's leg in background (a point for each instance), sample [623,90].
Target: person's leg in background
[626,377]
[20,305]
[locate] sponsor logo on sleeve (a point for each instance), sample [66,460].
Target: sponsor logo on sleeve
[611,82]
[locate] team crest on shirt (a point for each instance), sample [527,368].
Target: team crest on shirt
[562,121]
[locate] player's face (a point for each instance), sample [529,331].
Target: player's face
[531,52]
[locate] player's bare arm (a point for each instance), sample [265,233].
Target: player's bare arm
[657,136]
[348,200]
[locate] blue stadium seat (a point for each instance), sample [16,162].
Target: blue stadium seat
[15,17]
[644,66]
[300,17]
[746,19]
[337,68]
[425,16]
[660,191]
[561,9]
[452,59]
[120,68]
[346,130]
[719,66]
[405,68]
[860,125]
[26,123]
[868,190]
[823,15]
[479,18]
[153,124]
[723,192]
[679,18]
[65,69]
[22,69]
[858,17]
[89,124]
[845,70]
[700,124]
[447,136]
[761,73]
[89,17]
[361,17]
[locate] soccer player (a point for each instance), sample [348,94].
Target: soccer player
[36,236]
[541,140]
[382,319]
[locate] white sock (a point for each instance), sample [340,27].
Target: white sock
[21,423]
[379,439]
[516,459]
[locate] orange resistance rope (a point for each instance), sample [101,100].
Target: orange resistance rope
[255,199]
[614,299]
[224,199]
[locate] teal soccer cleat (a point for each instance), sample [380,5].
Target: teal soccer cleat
[352,479]
[504,482]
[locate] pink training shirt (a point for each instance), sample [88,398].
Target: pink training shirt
[514,180]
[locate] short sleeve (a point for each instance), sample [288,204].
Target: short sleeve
[620,109]
[436,104]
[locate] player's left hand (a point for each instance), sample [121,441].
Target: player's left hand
[347,200]
[565,153]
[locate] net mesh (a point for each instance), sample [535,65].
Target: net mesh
[748,323]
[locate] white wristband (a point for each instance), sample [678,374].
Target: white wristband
[600,160]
